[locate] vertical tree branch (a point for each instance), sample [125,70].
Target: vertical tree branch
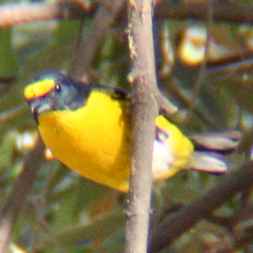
[145,110]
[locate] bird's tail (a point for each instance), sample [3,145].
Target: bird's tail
[211,150]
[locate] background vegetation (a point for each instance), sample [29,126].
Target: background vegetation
[204,58]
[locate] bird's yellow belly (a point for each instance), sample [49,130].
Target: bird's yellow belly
[94,141]
[97,148]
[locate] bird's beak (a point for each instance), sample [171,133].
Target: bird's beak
[34,112]
[37,108]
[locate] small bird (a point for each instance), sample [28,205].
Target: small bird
[88,129]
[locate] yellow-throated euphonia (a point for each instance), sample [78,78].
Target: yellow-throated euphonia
[87,128]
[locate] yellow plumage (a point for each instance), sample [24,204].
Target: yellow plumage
[45,86]
[95,141]
[88,128]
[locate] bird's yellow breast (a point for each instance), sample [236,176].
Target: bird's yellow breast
[92,140]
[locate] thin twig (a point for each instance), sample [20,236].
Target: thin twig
[11,113]
[186,101]
[165,105]
[85,53]
[202,70]
[145,110]
[175,225]
[23,185]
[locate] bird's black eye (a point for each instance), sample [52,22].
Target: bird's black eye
[57,88]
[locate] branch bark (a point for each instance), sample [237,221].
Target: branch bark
[175,225]
[23,185]
[145,110]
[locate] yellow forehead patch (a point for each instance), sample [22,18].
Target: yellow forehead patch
[38,89]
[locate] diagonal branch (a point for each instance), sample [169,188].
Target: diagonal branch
[23,185]
[87,48]
[175,225]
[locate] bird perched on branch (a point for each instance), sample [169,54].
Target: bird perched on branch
[88,129]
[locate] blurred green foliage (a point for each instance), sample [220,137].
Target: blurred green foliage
[66,213]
